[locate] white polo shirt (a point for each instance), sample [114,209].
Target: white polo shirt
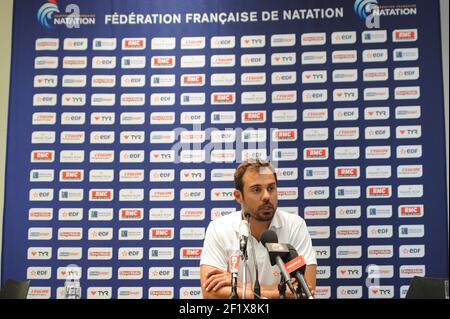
[222,240]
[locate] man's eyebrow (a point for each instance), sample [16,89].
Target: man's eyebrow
[258,185]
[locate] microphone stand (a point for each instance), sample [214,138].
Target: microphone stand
[282,288]
[244,268]
[257,287]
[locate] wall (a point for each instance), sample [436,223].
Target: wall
[6,7]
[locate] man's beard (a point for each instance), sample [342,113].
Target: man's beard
[264,213]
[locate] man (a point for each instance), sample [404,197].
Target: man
[256,192]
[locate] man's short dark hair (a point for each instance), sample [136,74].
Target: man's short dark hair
[254,165]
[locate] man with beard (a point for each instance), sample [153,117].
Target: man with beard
[256,192]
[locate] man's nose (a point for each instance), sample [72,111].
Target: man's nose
[265,195]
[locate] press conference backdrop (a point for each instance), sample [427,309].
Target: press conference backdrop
[127,121]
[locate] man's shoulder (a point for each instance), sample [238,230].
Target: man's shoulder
[224,222]
[289,218]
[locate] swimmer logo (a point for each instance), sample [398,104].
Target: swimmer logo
[365,10]
[45,13]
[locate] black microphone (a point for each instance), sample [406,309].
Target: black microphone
[243,237]
[296,266]
[276,253]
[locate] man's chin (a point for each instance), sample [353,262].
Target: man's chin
[265,215]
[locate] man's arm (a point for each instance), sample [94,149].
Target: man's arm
[310,277]
[216,284]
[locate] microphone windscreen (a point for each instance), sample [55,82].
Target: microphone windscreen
[244,229]
[269,236]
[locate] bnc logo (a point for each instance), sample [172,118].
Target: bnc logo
[45,13]
[365,10]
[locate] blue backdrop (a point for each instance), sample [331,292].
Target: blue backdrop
[359,117]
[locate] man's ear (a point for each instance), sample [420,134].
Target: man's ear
[238,196]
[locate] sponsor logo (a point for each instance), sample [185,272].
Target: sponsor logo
[313,39]
[40,214]
[404,35]
[408,112]
[100,253]
[161,253]
[345,56]
[315,153]
[70,214]
[410,271]
[346,153]
[190,253]
[103,81]
[282,40]
[160,273]
[104,44]
[133,62]
[163,62]
[349,272]
[192,233]
[381,292]
[378,172]
[134,43]
[347,172]
[348,232]
[348,37]
[411,251]
[379,211]
[161,293]
[409,151]
[279,59]
[253,41]
[315,173]
[70,233]
[46,62]
[317,212]
[163,43]
[161,233]
[410,191]
[284,78]
[410,211]
[223,79]
[192,43]
[253,60]
[379,191]
[39,253]
[375,251]
[101,214]
[406,54]
[348,252]
[130,253]
[284,116]
[101,156]
[345,75]
[383,231]
[411,231]
[311,193]
[349,292]
[226,42]
[344,192]
[348,212]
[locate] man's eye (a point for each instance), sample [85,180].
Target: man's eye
[256,190]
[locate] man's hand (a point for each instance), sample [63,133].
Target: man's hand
[216,279]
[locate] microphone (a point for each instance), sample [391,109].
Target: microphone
[233,265]
[243,237]
[296,266]
[276,253]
